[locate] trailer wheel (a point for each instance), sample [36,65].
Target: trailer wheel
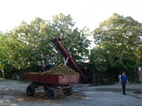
[30,90]
[51,93]
[68,92]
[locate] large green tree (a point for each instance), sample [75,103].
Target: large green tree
[3,51]
[118,41]
[28,43]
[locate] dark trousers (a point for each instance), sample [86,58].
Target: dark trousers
[124,87]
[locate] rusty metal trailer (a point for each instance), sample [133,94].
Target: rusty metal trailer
[53,84]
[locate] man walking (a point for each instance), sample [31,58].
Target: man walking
[124,81]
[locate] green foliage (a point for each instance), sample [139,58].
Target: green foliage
[3,50]
[27,45]
[118,41]
[73,39]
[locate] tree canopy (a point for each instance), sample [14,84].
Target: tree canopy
[118,41]
[27,44]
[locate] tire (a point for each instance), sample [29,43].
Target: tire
[30,90]
[68,92]
[51,93]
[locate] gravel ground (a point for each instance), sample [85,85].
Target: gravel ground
[13,93]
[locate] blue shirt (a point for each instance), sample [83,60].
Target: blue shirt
[124,79]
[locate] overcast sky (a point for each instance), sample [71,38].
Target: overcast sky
[84,12]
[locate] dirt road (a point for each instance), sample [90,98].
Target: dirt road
[13,93]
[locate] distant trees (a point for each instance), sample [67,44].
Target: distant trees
[119,42]
[2,50]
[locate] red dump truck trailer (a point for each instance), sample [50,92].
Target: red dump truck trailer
[52,84]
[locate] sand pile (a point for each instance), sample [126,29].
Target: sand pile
[61,69]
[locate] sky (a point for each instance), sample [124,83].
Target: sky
[84,12]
